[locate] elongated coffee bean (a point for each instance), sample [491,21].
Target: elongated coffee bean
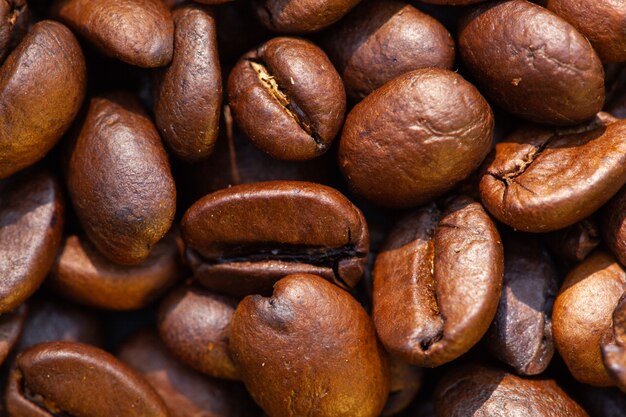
[301,16]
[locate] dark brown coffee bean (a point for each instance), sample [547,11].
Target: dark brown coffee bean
[614,345]
[11,326]
[432,260]
[614,225]
[382,39]
[301,16]
[14,18]
[193,324]
[42,85]
[85,276]
[415,138]
[243,239]
[288,98]
[185,392]
[188,95]
[575,242]
[119,180]
[601,21]
[73,379]
[521,333]
[32,213]
[544,179]
[479,391]
[309,350]
[405,384]
[583,315]
[537,66]
[139,32]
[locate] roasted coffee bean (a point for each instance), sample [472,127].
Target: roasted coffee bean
[85,276]
[188,95]
[601,21]
[382,39]
[432,260]
[11,326]
[614,345]
[521,333]
[74,379]
[614,225]
[543,179]
[292,87]
[575,242]
[119,180]
[415,138]
[301,16]
[185,392]
[583,315]
[32,213]
[243,239]
[405,384]
[14,18]
[42,85]
[309,349]
[536,65]
[139,32]
[481,391]
[193,324]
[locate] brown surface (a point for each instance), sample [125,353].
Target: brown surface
[11,327]
[301,16]
[575,242]
[614,225]
[14,18]
[614,345]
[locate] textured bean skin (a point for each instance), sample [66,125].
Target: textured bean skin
[544,179]
[188,95]
[42,85]
[291,84]
[380,40]
[614,345]
[32,214]
[547,72]
[138,32]
[601,21]
[432,260]
[614,225]
[415,138]
[119,180]
[14,18]
[301,16]
[310,349]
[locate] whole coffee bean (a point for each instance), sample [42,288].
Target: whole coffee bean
[614,225]
[301,16]
[382,39]
[32,213]
[405,384]
[480,391]
[188,95]
[42,85]
[138,32]
[14,15]
[575,242]
[11,326]
[309,350]
[119,180]
[432,260]
[583,315]
[614,345]
[193,324]
[185,392]
[85,276]
[288,98]
[67,378]
[544,179]
[537,66]
[601,21]
[243,239]
[521,333]
[415,138]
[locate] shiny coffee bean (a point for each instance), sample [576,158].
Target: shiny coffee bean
[119,180]
[382,39]
[188,95]
[537,66]
[42,85]
[614,225]
[542,179]
[521,333]
[309,349]
[432,260]
[243,239]
[575,242]
[11,327]
[85,276]
[415,138]
[139,32]
[15,16]
[301,16]
[405,384]
[185,392]
[480,391]
[583,315]
[614,345]
[193,324]
[290,85]
[32,213]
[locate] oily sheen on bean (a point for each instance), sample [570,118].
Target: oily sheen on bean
[301,16]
